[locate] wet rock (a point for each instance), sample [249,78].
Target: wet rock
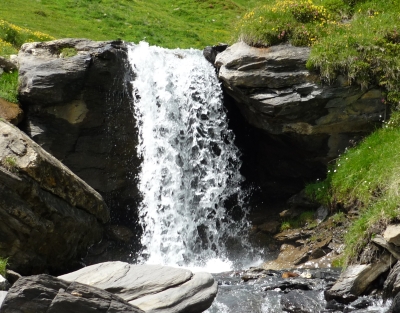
[11,112]
[293,235]
[334,305]
[271,227]
[3,295]
[47,294]
[151,287]
[391,286]
[392,234]
[48,216]
[356,278]
[4,284]
[120,233]
[395,306]
[288,257]
[299,302]
[361,303]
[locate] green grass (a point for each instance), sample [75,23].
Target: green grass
[360,39]
[367,178]
[304,219]
[8,86]
[182,23]
[3,266]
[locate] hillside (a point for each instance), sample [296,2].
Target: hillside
[182,23]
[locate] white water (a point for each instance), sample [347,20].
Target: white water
[190,165]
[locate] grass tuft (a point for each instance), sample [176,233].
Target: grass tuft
[9,86]
[3,267]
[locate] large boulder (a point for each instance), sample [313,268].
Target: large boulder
[78,102]
[152,288]
[47,294]
[48,216]
[298,123]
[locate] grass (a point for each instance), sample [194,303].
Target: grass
[366,178]
[182,23]
[358,39]
[3,266]
[304,219]
[9,86]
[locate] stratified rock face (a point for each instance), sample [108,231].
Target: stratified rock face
[276,93]
[152,288]
[47,294]
[79,109]
[48,216]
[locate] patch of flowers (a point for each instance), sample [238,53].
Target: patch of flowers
[16,35]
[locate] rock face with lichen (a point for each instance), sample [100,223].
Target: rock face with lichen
[49,217]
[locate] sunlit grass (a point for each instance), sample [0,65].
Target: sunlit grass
[367,178]
[8,86]
[3,267]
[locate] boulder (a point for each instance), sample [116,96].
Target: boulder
[3,295]
[79,108]
[48,216]
[47,294]
[153,288]
[297,124]
[4,284]
[356,278]
[391,286]
[392,234]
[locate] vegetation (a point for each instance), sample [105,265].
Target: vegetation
[169,24]
[10,163]
[365,178]
[304,219]
[3,266]
[8,86]
[360,39]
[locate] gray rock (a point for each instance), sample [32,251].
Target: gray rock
[153,288]
[79,109]
[47,294]
[194,296]
[393,249]
[48,216]
[356,278]
[3,295]
[4,284]
[392,234]
[298,302]
[129,281]
[391,286]
[298,124]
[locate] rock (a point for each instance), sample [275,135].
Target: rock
[119,233]
[289,257]
[4,284]
[11,112]
[79,110]
[393,249]
[361,303]
[211,52]
[3,295]
[12,276]
[152,288]
[321,213]
[298,302]
[48,216]
[391,286]
[196,295]
[297,124]
[356,278]
[395,306]
[334,305]
[47,294]
[271,227]
[7,65]
[392,234]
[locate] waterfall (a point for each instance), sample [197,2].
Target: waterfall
[190,166]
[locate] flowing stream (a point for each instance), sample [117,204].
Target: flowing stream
[192,211]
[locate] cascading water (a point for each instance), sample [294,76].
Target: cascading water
[190,166]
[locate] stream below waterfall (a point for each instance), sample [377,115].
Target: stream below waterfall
[193,211]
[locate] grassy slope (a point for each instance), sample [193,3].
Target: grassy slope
[181,23]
